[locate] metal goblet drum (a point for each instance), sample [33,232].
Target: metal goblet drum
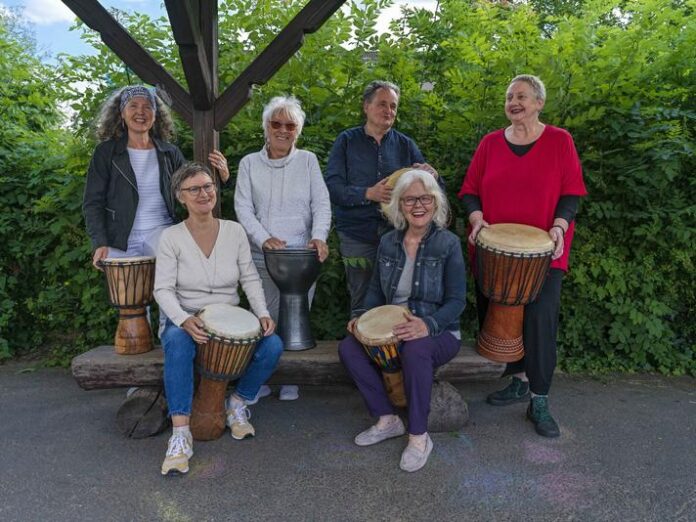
[294,271]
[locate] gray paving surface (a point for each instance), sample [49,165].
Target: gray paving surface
[627,452]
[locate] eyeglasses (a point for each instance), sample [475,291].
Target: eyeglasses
[425,200]
[275,125]
[209,188]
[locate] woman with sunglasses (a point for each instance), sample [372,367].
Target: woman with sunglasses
[281,199]
[420,266]
[202,261]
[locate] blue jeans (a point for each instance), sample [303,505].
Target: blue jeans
[180,353]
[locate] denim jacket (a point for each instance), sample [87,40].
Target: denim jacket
[438,289]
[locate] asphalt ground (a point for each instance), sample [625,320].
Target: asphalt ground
[627,452]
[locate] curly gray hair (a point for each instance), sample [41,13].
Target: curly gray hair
[109,125]
[288,106]
[393,210]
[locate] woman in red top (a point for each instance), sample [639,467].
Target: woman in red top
[528,173]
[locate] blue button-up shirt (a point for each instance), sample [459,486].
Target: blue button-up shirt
[356,163]
[438,288]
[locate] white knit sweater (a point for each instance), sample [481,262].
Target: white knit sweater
[186,280]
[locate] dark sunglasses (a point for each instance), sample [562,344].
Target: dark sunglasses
[275,125]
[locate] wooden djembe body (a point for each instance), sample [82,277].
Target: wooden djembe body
[512,263]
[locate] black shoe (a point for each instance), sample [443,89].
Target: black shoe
[516,391]
[538,413]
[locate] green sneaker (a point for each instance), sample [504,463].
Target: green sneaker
[516,391]
[538,413]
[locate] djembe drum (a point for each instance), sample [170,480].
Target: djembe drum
[233,334]
[130,281]
[374,331]
[512,262]
[294,271]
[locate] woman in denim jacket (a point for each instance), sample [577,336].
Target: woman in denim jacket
[419,265]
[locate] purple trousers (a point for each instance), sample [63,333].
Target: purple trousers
[419,359]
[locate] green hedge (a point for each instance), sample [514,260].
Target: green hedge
[620,77]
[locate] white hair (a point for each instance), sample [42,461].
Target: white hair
[393,210]
[534,82]
[286,105]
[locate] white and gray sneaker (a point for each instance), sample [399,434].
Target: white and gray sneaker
[264,391]
[373,434]
[179,451]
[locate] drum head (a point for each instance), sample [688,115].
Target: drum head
[230,322]
[374,328]
[128,260]
[515,239]
[391,182]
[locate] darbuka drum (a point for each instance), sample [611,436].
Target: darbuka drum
[233,334]
[130,281]
[512,262]
[374,331]
[294,271]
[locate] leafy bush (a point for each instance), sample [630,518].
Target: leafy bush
[619,75]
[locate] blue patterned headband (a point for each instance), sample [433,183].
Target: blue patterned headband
[131,92]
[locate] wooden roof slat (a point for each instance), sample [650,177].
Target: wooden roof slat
[185,20]
[92,13]
[273,57]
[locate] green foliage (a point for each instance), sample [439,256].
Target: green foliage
[619,75]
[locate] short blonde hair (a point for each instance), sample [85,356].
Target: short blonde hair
[393,210]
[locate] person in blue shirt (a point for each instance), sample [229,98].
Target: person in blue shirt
[361,160]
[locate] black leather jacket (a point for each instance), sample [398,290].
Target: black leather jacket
[111,191]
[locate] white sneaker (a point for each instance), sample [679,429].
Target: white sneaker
[413,458]
[289,392]
[264,391]
[238,421]
[179,451]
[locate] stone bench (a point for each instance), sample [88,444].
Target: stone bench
[144,412]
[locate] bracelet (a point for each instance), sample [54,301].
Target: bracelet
[562,229]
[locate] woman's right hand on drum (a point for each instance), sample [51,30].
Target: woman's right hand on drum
[194,327]
[268,325]
[273,243]
[477,223]
[99,254]
[351,325]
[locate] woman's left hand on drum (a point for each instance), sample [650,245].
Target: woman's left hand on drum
[268,325]
[99,254]
[321,248]
[557,236]
[194,327]
[413,328]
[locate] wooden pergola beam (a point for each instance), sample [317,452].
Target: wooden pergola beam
[272,58]
[185,19]
[92,13]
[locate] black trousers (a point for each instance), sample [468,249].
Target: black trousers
[538,333]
